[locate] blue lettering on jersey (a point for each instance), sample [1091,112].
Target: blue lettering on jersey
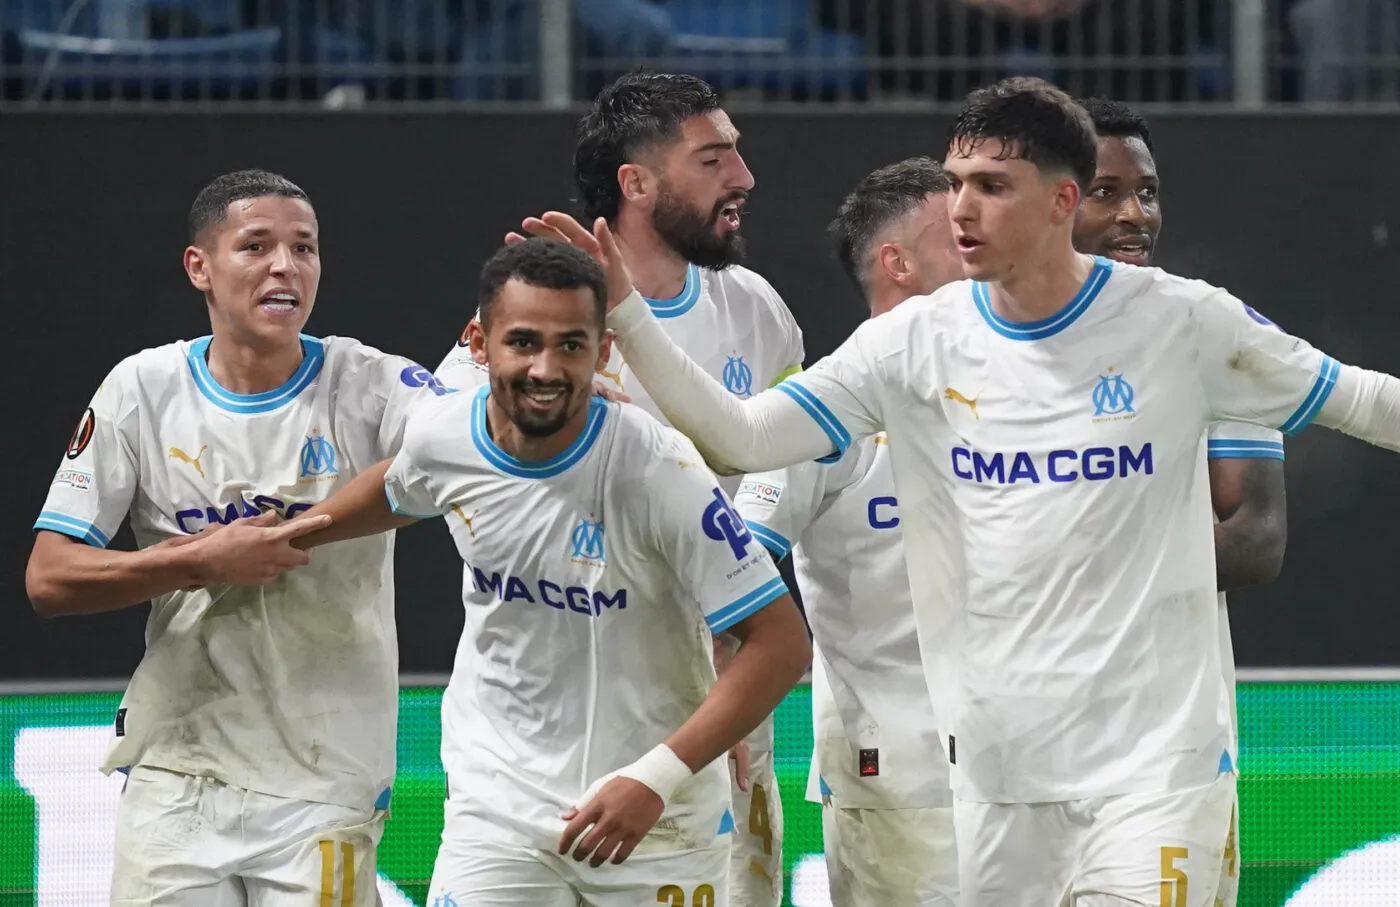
[317,456]
[417,376]
[1113,396]
[722,523]
[561,598]
[194,519]
[880,513]
[445,900]
[738,377]
[587,540]
[1094,464]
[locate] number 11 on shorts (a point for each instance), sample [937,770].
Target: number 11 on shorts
[347,874]
[1173,879]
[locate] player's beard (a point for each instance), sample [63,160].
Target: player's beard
[533,424]
[693,236]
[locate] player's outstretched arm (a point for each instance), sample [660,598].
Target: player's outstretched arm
[734,436]
[1248,497]
[66,576]
[359,509]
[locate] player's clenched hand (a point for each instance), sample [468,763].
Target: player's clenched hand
[254,551]
[621,814]
[601,244]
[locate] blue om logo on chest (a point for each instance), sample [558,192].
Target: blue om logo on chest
[586,541]
[737,376]
[317,456]
[1113,397]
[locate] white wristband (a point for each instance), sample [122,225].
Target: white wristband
[660,769]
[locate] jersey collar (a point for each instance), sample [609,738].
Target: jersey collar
[535,469]
[678,305]
[313,357]
[1046,327]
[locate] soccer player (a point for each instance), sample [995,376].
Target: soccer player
[658,158]
[599,556]
[258,731]
[1055,405]
[879,768]
[1120,219]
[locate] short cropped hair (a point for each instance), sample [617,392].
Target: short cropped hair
[878,200]
[545,263]
[1114,119]
[634,114]
[1035,121]
[211,204]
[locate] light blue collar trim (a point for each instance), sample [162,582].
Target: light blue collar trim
[1046,327]
[537,469]
[313,357]
[678,306]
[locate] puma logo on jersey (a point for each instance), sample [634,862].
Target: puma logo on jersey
[686,464]
[957,397]
[178,454]
[614,377]
[466,519]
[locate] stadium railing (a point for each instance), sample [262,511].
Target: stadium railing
[556,53]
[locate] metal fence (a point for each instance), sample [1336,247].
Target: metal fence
[97,54]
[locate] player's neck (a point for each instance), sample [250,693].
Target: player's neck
[246,370]
[657,271]
[884,297]
[527,448]
[1041,288]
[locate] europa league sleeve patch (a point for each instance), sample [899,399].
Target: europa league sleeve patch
[82,436]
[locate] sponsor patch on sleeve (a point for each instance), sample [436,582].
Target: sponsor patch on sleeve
[762,492]
[74,478]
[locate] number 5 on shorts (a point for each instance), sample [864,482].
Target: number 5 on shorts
[347,874]
[674,896]
[1173,879]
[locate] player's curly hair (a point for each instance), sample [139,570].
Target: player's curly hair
[1114,119]
[211,204]
[881,198]
[545,263]
[1034,121]
[634,114]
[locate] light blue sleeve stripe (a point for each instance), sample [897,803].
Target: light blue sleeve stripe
[771,540]
[72,526]
[835,432]
[1225,449]
[741,608]
[394,507]
[1317,397]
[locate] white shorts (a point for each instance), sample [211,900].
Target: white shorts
[197,842]
[1227,894]
[756,864]
[890,857]
[475,873]
[1155,850]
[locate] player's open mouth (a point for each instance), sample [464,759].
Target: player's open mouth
[543,396]
[279,303]
[1132,250]
[729,214]
[968,244]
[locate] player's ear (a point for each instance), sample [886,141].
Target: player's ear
[476,341]
[890,259]
[197,269]
[635,181]
[604,351]
[1066,200]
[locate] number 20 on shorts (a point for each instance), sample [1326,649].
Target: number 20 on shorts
[674,896]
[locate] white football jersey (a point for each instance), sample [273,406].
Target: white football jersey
[732,323]
[876,743]
[1237,441]
[1068,610]
[592,584]
[289,689]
